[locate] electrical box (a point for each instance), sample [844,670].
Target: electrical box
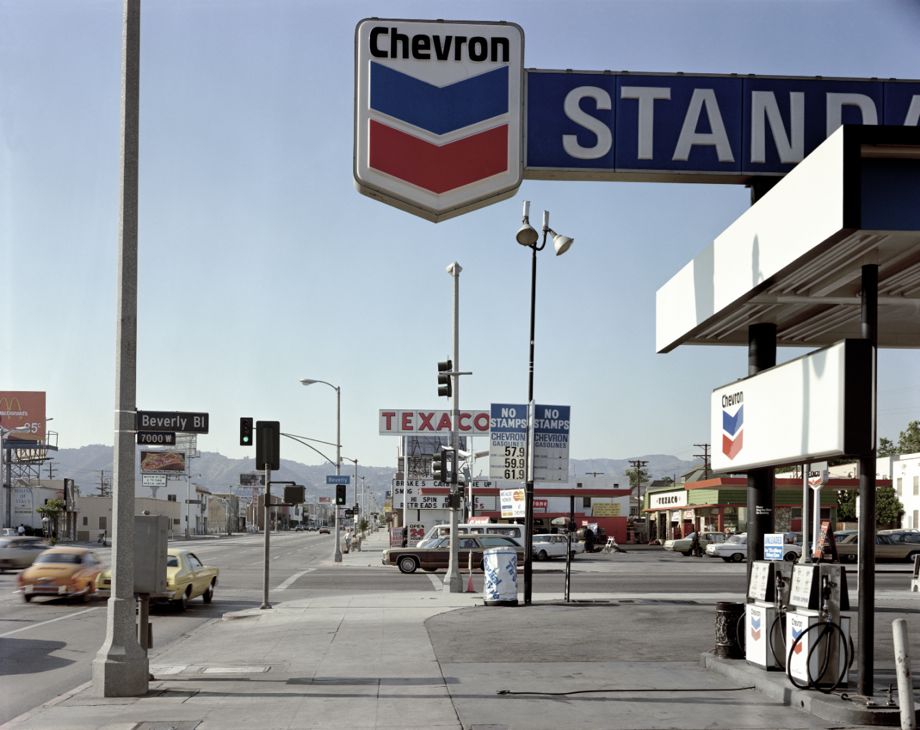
[150,545]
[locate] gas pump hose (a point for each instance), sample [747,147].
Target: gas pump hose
[828,631]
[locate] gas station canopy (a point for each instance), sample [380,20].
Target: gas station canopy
[795,257]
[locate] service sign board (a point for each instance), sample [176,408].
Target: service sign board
[153,480]
[22,409]
[395,422]
[438,113]
[512,503]
[551,443]
[804,410]
[773,546]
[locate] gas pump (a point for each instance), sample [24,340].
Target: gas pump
[818,645]
[768,596]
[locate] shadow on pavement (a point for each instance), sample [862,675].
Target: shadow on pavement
[30,656]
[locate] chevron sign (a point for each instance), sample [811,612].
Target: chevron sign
[732,424]
[438,109]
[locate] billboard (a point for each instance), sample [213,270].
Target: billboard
[23,409]
[395,422]
[170,462]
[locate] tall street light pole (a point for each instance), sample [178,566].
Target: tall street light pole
[453,582]
[337,551]
[121,667]
[528,236]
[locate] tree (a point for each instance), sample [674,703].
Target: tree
[886,447]
[846,505]
[634,480]
[51,510]
[909,440]
[888,508]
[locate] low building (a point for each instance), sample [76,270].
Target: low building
[94,516]
[904,472]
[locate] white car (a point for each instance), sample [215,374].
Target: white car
[734,549]
[554,546]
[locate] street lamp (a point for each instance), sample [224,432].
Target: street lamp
[355,462]
[528,236]
[337,551]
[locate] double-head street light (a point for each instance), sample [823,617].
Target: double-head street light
[528,236]
[337,551]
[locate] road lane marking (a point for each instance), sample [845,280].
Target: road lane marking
[49,621]
[438,584]
[293,578]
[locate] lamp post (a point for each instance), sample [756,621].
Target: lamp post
[337,551]
[528,236]
[355,462]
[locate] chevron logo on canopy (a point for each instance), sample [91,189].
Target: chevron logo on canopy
[438,114]
[732,430]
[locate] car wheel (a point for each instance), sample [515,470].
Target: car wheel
[727,560]
[542,555]
[686,554]
[208,595]
[407,564]
[910,558]
[790,557]
[737,557]
[850,558]
[27,597]
[181,603]
[572,555]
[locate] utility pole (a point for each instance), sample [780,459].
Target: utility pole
[638,465]
[50,468]
[705,457]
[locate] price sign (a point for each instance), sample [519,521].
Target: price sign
[508,441]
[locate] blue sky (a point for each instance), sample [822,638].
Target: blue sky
[260,264]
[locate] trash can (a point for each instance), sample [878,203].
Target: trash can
[500,585]
[729,630]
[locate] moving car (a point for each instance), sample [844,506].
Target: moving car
[683,544]
[186,578]
[554,546]
[19,552]
[61,571]
[515,532]
[889,545]
[734,549]
[437,557]
[324,530]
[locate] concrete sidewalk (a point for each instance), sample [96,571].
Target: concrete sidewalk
[430,659]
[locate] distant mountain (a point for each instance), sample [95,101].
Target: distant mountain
[90,464]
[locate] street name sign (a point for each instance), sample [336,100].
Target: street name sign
[338,479]
[174,421]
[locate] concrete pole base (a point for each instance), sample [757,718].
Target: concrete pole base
[121,673]
[453,583]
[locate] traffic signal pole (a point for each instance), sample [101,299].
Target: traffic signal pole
[453,581]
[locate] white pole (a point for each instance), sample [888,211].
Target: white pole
[452,581]
[806,552]
[902,667]
[337,551]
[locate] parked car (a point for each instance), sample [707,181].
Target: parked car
[889,545]
[186,578]
[19,552]
[324,530]
[683,544]
[61,571]
[437,557]
[554,546]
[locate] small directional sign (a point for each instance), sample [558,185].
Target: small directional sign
[155,438]
[160,421]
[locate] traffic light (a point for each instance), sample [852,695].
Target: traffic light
[445,387]
[245,432]
[340,494]
[439,465]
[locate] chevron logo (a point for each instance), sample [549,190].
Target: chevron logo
[438,114]
[732,430]
[801,644]
[755,627]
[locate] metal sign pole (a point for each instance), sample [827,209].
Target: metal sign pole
[268,531]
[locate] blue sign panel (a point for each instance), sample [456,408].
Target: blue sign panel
[773,546]
[337,479]
[592,125]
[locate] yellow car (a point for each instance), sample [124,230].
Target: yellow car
[186,578]
[61,571]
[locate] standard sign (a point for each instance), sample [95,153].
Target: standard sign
[153,480]
[337,479]
[171,421]
[803,410]
[508,442]
[773,546]
[438,114]
[512,503]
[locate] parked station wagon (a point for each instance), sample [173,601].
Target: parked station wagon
[437,557]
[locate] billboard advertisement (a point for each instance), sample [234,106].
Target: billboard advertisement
[170,462]
[23,409]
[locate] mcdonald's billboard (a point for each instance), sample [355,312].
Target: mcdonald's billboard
[23,409]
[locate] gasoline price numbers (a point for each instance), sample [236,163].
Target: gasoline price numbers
[515,462]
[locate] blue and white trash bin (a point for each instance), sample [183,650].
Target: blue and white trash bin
[500,567]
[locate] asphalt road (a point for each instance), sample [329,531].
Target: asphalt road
[47,646]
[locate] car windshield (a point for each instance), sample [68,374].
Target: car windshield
[737,539]
[172,561]
[69,558]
